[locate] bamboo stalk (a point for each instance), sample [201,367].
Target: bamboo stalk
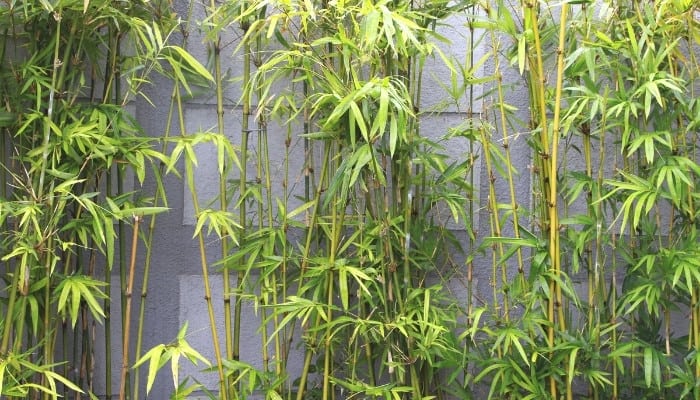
[111,75]
[203,262]
[506,149]
[550,224]
[554,241]
[50,110]
[494,223]
[242,189]
[123,282]
[305,260]
[281,345]
[45,259]
[471,211]
[263,170]
[158,197]
[599,266]
[107,307]
[123,387]
[331,246]
[223,176]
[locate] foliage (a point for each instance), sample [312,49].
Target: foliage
[69,72]
[359,265]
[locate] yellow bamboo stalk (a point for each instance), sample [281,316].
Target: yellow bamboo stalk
[554,241]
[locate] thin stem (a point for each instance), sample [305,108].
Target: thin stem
[305,259]
[506,149]
[554,251]
[123,388]
[242,190]
[189,174]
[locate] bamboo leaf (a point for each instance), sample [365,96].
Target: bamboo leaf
[153,357]
[572,364]
[343,286]
[393,135]
[360,120]
[74,309]
[192,62]
[52,376]
[521,53]
[3,368]
[301,209]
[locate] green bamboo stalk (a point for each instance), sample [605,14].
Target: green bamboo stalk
[9,317]
[264,212]
[123,386]
[19,332]
[86,366]
[408,192]
[600,293]
[494,222]
[472,181]
[48,344]
[124,297]
[223,176]
[693,71]
[281,345]
[330,245]
[110,76]
[3,144]
[492,201]
[308,218]
[50,109]
[242,189]
[694,74]
[123,269]
[107,307]
[146,274]
[56,87]
[336,225]
[368,352]
[309,352]
[537,90]
[270,281]
[592,248]
[158,197]
[501,106]
[189,175]
[395,204]
[613,320]
[85,376]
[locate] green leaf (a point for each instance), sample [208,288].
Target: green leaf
[191,62]
[301,209]
[343,286]
[572,364]
[154,364]
[76,289]
[521,53]
[3,368]
[52,377]
[648,365]
[359,120]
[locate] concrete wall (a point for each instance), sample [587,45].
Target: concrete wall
[176,294]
